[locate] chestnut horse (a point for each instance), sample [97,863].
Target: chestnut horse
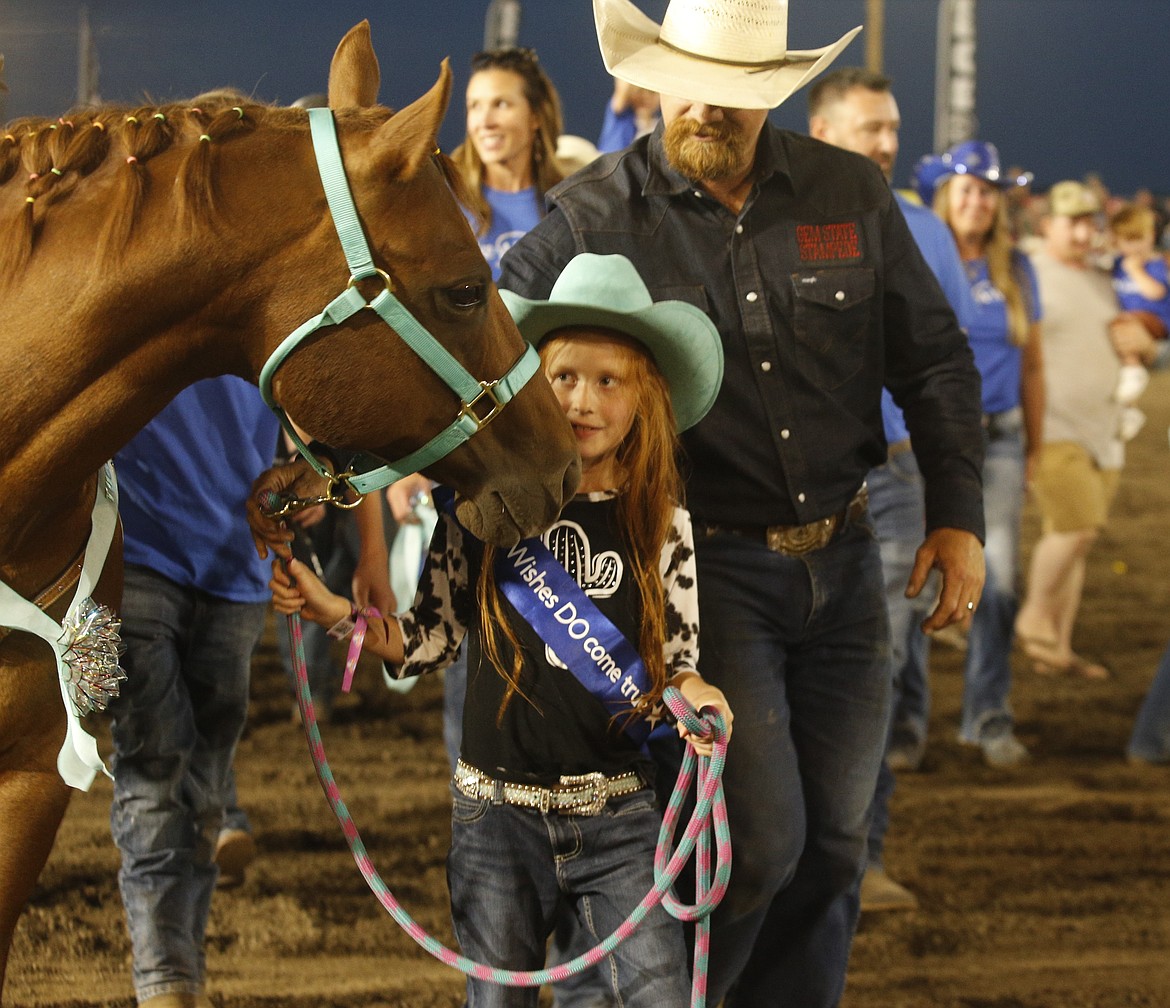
[145,249]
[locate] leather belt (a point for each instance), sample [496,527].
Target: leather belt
[796,540]
[580,794]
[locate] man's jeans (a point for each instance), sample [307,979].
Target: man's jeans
[898,510]
[1150,740]
[175,729]
[987,674]
[799,645]
[510,869]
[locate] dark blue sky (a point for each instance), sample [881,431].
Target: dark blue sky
[1064,86]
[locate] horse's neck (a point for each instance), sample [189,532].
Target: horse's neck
[78,389]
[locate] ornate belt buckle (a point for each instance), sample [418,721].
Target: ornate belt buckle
[594,793]
[796,540]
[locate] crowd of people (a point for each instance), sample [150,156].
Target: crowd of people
[809,407]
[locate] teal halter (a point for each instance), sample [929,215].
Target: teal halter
[480,401]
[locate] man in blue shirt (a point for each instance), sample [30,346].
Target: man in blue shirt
[854,109]
[192,611]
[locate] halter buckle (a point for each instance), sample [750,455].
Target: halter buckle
[471,409]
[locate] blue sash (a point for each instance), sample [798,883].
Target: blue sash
[567,620]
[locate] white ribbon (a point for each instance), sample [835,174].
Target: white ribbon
[78,761]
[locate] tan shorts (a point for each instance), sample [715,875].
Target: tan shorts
[1072,492]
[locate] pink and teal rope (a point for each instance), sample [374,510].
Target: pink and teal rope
[709,812]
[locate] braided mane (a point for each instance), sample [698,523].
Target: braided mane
[51,158]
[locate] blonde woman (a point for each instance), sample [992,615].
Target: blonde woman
[508,158]
[968,190]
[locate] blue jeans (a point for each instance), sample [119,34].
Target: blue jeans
[510,870]
[987,674]
[800,647]
[174,730]
[1151,731]
[898,510]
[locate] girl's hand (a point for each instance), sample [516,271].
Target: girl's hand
[296,589]
[699,694]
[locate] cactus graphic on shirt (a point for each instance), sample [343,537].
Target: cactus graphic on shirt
[599,576]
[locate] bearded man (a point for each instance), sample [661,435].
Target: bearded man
[799,253]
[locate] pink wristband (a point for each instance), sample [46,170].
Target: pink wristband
[360,622]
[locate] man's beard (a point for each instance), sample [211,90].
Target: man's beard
[701,160]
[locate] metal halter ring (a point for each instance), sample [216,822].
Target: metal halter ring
[353,280]
[334,494]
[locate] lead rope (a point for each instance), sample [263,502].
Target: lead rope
[709,811]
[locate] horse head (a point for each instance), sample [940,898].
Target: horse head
[359,385]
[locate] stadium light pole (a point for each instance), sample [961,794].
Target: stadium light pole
[502,24]
[954,79]
[875,31]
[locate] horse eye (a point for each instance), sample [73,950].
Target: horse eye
[466,297]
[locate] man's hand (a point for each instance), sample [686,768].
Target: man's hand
[959,557]
[295,479]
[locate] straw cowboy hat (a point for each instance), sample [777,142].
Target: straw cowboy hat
[732,53]
[606,292]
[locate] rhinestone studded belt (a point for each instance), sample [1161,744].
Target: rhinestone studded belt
[582,794]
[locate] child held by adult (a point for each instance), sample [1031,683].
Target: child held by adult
[539,722]
[1141,281]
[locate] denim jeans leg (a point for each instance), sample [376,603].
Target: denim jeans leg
[510,869]
[502,877]
[800,647]
[987,673]
[591,988]
[606,867]
[1150,740]
[174,731]
[898,511]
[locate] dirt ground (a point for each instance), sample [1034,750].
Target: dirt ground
[1043,887]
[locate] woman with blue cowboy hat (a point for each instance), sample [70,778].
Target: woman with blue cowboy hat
[968,189]
[629,374]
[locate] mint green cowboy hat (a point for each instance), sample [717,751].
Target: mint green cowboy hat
[605,291]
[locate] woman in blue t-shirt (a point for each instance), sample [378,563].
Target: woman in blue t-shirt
[508,158]
[968,191]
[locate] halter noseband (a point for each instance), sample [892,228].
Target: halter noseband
[480,401]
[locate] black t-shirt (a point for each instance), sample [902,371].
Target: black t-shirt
[557,727]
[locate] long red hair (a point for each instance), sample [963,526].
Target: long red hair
[650,490]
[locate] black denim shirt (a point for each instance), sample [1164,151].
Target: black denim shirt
[820,295]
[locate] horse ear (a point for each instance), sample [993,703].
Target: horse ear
[354,75]
[411,136]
